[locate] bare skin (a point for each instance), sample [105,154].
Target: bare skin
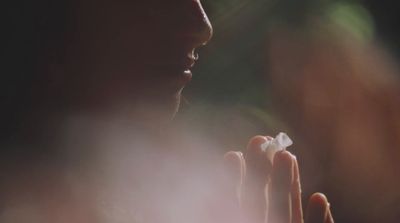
[271,192]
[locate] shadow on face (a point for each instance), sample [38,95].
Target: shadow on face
[103,56]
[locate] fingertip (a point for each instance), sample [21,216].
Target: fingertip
[257,160]
[284,157]
[319,199]
[233,160]
[255,157]
[233,156]
[254,145]
[318,208]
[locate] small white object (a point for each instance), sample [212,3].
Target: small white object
[280,142]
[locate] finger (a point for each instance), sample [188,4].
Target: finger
[297,209]
[225,205]
[329,218]
[258,168]
[317,210]
[234,172]
[280,188]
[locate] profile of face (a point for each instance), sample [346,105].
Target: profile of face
[133,54]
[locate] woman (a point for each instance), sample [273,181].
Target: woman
[90,85]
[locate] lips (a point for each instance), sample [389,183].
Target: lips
[170,69]
[187,64]
[184,63]
[176,65]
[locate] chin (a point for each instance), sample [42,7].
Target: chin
[171,107]
[155,113]
[178,100]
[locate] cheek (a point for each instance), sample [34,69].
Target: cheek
[152,99]
[117,45]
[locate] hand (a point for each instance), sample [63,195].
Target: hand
[268,189]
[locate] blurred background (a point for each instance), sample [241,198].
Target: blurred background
[324,71]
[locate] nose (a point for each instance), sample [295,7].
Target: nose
[200,29]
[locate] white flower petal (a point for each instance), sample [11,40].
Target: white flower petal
[280,142]
[283,140]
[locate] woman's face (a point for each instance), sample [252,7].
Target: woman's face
[135,53]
